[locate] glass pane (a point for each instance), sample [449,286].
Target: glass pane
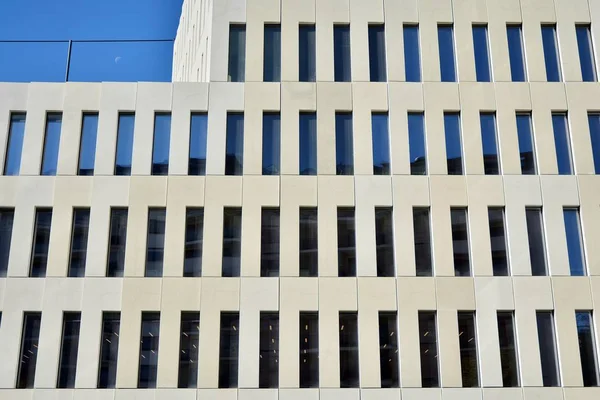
[515,52]
[269,243]
[16,133]
[198,132]
[453,143]
[562,142]
[39,61]
[377,65]
[346,242]
[29,350]
[446,48]
[155,247]
[594,125]
[194,230]
[535,232]
[460,242]
[6,227]
[234,156]
[229,350]
[467,338]
[109,350]
[268,365]
[553,73]
[272,54]
[309,349]
[416,142]
[482,56]
[508,349]
[422,232]
[526,144]
[149,350]
[69,348]
[51,143]
[79,242]
[124,144]
[547,341]
[308,143]
[344,147]
[162,141]
[587,348]
[41,241]
[237,53]
[188,350]
[349,350]
[232,241]
[309,260]
[412,54]
[271,142]
[384,239]
[307,53]
[574,242]
[491,161]
[341,53]
[429,351]
[388,350]
[87,148]
[381,144]
[118,241]
[586,53]
[498,241]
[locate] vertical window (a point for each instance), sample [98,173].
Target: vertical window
[87,147]
[548,352]
[489,141]
[446,49]
[29,349]
[594,125]
[124,144]
[16,134]
[537,246]
[7,217]
[574,242]
[69,349]
[234,156]
[229,350]
[344,147]
[41,241]
[467,338]
[269,243]
[155,247]
[309,242]
[460,241]
[232,241]
[162,141]
[514,36]
[384,239]
[429,351]
[268,365]
[587,348]
[422,233]
[562,143]
[453,143]
[308,143]
[412,54]
[309,349]
[586,53]
[79,242]
[508,349]
[551,55]
[149,350]
[341,53]
[118,241]
[498,241]
[307,53]
[237,53]
[346,242]
[416,143]
[481,53]
[377,65]
[271,143]
[51,143]
[349,350]
[381,143]
[388,350]
[194,231]
[526,143]
[109,350]
[272,53]
[188,350]
[198,132]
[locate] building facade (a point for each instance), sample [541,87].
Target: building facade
[334,199]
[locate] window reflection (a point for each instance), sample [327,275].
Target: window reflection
[155,247]
[446,52]
[460,241]
[148,365]
[428,349]
[498,241]
[269,246]
[422,235]
[271,143]
[381,144]
[384,240]
[41,242]
[198,133]
[377,64]
[416,143]
[87,147]
[587,348]
[537,246]
[272,53]
[309,252]
[344,146]
[467,339]
[229,350]
[307,53]
[268,376]
[548,351]
[308,143]
[162,143]
[194,231]
[508,349]
[341,53]
[232,241]
[6,228]
[79,242]
[514,35]
[412,53]
[117,243]
[188,350]
[69,350]
[29,349]
[309,349]
[234,153]
[51,143]
[109,349]
[481,53]
[16,134]
[346,242]
[349,375]
[124,144]
[388,349]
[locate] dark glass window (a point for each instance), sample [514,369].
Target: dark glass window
[344,147]
[272,53]
[309,234]
[574,242]
[229,349]
[384,238]
[79,242]
[341,53]
[16,134]
[68,351]
[307,53]
[537,246]
[526,143]
[514,36]
[109,350]
[308,143]
[429,350]
[482,53]
[87,147]
[346,242]
[489,141]
[586,53]
[309,349]
[51,143]
[422,233]
[498,241]
[269,243]
[467,339]
[508,349]
[7,217]
[155,248]
[412,53]
[271,143]
[188,350]
[548,352]
[594,125]
[162,141]
[416,143]
[149,349]
[124,144]
[587,348]
[194,231]
[377,65]
[460,241]
[237,53]
[232,241]
[381,143]
[349,350]
[551,55]
[234,152]
[117,242]
[453,143]
[268,365]
[562,143]
[29,349]
[446,49]
[388,350]
[198,132]
[41,241]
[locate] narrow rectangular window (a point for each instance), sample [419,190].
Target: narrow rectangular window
[586,53]
[344,147]
[574,241]
[29,349]
[388,349]
[422,233]
[381,143]
[234,152]
[508,349]
[194,231]
[268,365]
[412,53]
[68,350]
[428,349]
[377,64]
[79,242]
[446,50]
[526,144]
[307,53]
[109,350]
[349,350]
[309,349]
[498,241]
[155,247]
[514,36]
[460,241]
[229,350]
[341,53]
[87,147]
[416,143]
[117,242]
[198,134]
[548,351]
[467,338]
[271,143]
[453,143]
[537,245]
[237,53]
[232,241]
[384,240]
[41,242]
[308,143]
[162,142]
[588,352]
[346,242]
[594,125]
[272,53]
[482,53]
[269,243]
[51,143]
[124,144]
[16,134]
[551,53]
[188,350]
[309,260]
[7,217]
[562,143]
[149,337]
[489,142]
